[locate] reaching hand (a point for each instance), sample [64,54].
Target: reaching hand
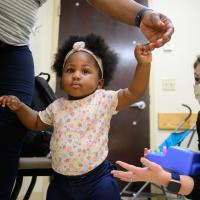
[152,172]
[157,28]
[11,101]
[143,54]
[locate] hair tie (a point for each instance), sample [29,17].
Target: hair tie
[80,46]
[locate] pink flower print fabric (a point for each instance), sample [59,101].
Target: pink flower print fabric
[80,139]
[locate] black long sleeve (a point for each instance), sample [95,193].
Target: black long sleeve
[195,194]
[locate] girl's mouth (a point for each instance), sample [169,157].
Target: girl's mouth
[76,85]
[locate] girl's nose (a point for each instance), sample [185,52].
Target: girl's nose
[77,75]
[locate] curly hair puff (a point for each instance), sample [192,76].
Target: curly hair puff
[97,45]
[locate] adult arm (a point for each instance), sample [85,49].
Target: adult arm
[157,28]
[153,173]
[121,10]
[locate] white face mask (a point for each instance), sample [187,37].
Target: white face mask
[197,92]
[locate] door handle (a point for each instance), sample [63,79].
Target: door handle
[139,104]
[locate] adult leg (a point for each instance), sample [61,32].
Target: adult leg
[9,152]
[16,78]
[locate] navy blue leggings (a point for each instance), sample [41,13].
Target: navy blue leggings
[98,184]
[16,78]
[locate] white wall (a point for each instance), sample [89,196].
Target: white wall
[44,39]
[176,64]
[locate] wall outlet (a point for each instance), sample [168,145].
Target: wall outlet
[168,85]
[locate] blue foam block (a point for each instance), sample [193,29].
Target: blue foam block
[177,159]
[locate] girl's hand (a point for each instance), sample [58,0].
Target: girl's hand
[143,54]
[11,102]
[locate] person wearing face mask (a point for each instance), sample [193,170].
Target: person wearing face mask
[189,186]
[197,93]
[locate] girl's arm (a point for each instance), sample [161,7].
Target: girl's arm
[27,116]
[140,80]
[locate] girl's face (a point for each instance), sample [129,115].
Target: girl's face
[81,75]
[197,74]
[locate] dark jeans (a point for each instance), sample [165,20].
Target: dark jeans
[98,184]
[16,78]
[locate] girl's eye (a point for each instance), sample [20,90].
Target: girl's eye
[69,70]
[85,71]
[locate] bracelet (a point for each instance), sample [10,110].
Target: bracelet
[139,15]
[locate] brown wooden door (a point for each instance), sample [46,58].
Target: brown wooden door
[127,141]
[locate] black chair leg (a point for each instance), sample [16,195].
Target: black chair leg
[30,188]
[17,187]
